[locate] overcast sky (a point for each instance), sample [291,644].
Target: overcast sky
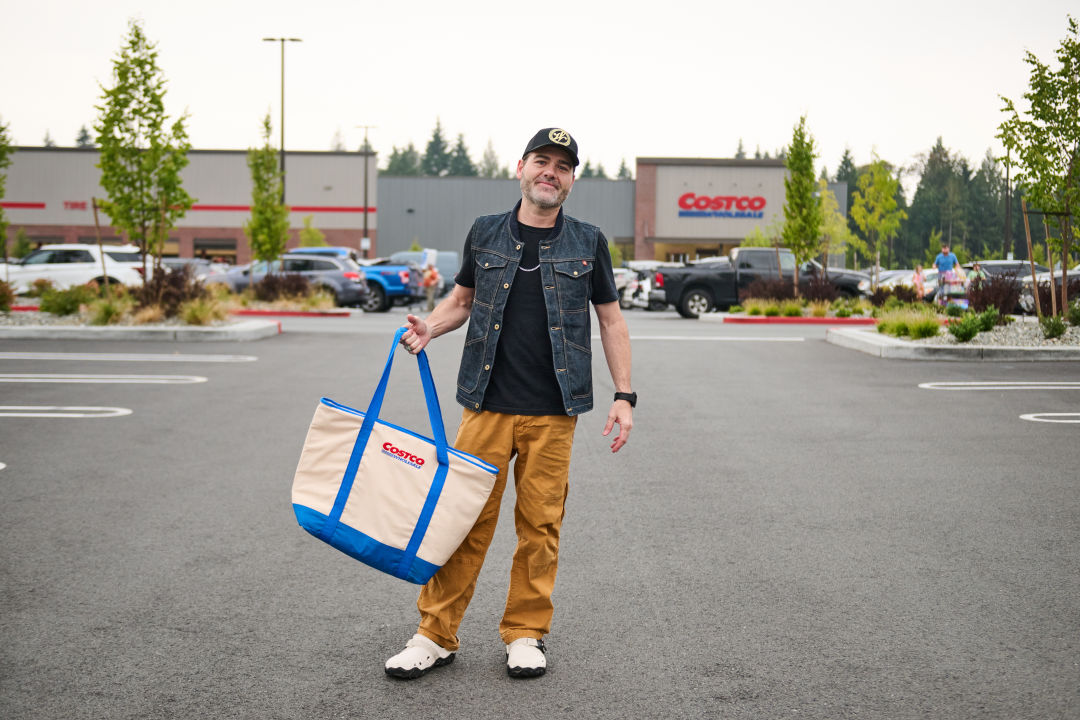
[670,79]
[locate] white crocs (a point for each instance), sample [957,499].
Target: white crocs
[420,655]
[525,658]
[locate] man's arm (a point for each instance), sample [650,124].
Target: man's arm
[615,338]
[447,316]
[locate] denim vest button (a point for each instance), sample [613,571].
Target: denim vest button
[487,367]
[506,285]
[496,326]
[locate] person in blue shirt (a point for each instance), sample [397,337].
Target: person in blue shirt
[945,262]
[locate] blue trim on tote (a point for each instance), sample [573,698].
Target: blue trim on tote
[371,552]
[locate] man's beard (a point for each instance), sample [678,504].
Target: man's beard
[541,201]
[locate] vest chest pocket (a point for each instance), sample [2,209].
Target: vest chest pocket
[490,270]
[573,281]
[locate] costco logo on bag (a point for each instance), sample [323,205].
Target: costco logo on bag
[402,455]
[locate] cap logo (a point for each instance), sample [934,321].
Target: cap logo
[559,137]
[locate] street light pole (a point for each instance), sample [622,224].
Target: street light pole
[282,40]
[367,154]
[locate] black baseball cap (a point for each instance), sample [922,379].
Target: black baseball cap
[556,137]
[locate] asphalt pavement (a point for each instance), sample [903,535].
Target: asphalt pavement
[795,529]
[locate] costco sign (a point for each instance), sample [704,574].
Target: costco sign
[721,206]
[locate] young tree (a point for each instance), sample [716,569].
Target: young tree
[140,159]
[22,246]
[436,161]
[268,229]
[5,161]
[461,165]
[875,209]
[337,143]
[83,139]
[404,162]
[802,202]
[311,236]
[1045,145]
[836,236]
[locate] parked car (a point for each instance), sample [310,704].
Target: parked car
[906,278]
[340,276]
[1016,268]
[69,264]
[1045,277]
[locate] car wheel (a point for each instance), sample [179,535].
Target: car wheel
[101,281]
[376,299]
[657,306]
[695,303]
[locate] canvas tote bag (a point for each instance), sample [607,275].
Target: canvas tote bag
[387,496]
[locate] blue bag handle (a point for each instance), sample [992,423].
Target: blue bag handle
[442,454]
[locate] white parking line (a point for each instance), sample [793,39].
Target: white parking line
[1002,385]
[101,379]
[127,357]
[2,466]
[715,339]
[1052,417]
[55,411]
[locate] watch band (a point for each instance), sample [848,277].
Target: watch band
[630,397]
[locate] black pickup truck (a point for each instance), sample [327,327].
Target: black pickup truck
[707,285]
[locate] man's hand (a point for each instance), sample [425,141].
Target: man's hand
[418,336]
[623,414]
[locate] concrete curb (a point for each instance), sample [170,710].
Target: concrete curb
[755,320]
[243,330]
[885,346]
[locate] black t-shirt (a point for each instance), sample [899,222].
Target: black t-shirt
[523,375]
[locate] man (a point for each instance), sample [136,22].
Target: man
[526,280]
[945,261]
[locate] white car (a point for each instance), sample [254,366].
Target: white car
[69,264]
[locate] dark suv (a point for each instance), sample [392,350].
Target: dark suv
[338,275]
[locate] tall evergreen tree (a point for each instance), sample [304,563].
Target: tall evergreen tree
[740,152]
[83,139]
[48,141]
[624,172]
[587,170]
[600,172]
[461,165]
[489,164]
[404,162]
[436,160]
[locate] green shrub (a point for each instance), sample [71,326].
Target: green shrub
[108,311]
[169,289]
[989,319]
[201,311]
[1053,327]
[7,297]
[926,328]
[965,328]
[755,310]
[791,308]
[735,309]
[1074,313]
[843,313]
[954,311]
[772,311]
[67,302]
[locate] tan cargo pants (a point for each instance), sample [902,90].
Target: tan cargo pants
[542,445]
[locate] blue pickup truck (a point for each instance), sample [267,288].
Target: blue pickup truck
[390,283]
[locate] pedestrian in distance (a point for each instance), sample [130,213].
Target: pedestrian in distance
[945,262]
[526,282]
[431,281]
[918,281]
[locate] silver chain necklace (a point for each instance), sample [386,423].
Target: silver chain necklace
[529,269]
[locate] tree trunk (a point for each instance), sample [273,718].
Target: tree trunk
[1050,262]
[1031,259]
[97,231]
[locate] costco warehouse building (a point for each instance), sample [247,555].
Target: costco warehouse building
[676,209]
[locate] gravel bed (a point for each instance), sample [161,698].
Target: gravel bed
[1023,332]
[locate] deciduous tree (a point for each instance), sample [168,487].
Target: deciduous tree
[5,161]
[802,202]
[268,228]
[140,156]
[875,209]
[1044,142]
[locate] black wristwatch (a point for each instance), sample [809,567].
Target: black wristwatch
[630,397]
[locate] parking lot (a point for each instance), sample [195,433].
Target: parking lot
[794,530]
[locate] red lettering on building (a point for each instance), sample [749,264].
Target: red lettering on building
[74,204]
[693,201]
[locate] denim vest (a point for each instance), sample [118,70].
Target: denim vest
[567,261]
